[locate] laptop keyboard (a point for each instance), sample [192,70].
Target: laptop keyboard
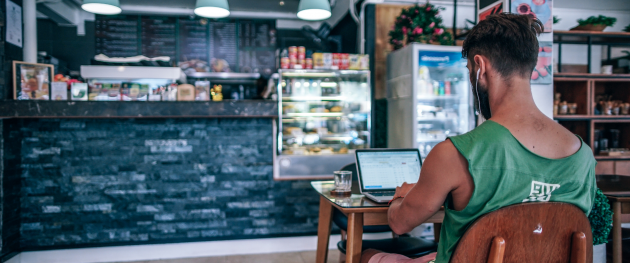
[387,193]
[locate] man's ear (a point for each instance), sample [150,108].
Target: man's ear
[482,66]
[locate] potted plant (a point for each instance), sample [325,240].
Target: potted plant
[595,23]
[601,223]
[422,24]
[627,29]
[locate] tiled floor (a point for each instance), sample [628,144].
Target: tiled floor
[293,257]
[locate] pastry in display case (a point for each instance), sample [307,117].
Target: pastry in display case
[325,116]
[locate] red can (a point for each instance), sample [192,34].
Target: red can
[293,51]
[301,52]
[309,63]
[285,63]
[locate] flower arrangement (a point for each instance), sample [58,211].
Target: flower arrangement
[419,23]
[600,218]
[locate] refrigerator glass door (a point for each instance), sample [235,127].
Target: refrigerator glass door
[443,94]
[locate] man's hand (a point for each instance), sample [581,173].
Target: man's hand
[403,189]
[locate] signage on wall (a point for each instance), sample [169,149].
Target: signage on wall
[14,24]
[490,7]
[540,9]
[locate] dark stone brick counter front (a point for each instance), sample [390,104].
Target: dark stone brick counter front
[85,182]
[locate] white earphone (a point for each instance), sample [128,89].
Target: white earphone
[477,90]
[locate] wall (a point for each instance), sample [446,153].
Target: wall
[63,42]
[103,182]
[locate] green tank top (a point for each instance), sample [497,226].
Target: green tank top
[506,173]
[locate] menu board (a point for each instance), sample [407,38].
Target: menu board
[257,34]
[117,36]
[198,45]
[193,39]
[158,37]
[223,49]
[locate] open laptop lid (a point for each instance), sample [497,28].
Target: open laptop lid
[385,169]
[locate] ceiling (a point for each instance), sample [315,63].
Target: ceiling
[290,6]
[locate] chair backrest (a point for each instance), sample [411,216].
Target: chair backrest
[532,232]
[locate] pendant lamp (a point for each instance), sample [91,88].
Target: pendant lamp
[314,9]
[102,7]
[212,8]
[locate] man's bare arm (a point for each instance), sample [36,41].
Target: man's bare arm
[443,171]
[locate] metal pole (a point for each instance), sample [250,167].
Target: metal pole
[590,46]
[29,8]
[559,57]
[454,22]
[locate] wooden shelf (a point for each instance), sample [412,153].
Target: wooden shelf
[139,109]
[600,157]
[596,37]
[625,118]
[562,76]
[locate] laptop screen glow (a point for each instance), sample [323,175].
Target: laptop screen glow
[388,169]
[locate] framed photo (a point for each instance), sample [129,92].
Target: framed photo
[540,9]
[32,81]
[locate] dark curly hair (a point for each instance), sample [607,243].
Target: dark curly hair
[509,41]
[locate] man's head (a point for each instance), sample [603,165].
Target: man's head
[503,45]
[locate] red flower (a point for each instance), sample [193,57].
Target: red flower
[439,31]
[428,8]
[403,16]
[404,30]
[432,25]
[417,31]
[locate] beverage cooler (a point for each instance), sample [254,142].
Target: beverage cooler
[324,117]
[428,96]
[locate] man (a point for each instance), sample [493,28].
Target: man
[518,155]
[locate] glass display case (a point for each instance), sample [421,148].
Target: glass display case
[428,96]
[325,116]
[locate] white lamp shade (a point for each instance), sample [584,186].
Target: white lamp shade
[314,10]
[212,8]
[102,7]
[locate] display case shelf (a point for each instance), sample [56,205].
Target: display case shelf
[602,157]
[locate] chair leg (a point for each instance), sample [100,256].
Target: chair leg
[343,235]
[342,256]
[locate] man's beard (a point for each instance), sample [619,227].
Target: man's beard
[484,99]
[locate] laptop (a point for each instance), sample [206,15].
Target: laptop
[380,171]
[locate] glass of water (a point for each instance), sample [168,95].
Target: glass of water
[343,181]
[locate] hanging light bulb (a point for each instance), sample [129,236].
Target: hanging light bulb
[314,9]
[212,8]
[102,7]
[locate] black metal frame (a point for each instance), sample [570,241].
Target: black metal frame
[455,20]
[591,39]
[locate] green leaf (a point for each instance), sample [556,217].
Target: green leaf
[600,218]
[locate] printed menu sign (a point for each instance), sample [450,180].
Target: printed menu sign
[158,37]
[223,49]
[117,36]
[259,61]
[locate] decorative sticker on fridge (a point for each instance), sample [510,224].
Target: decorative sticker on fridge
[540,9]
[543,73]
[440,58]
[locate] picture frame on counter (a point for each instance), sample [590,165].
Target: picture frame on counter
[59,91]
[31,81]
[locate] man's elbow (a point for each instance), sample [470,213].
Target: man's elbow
[398,229]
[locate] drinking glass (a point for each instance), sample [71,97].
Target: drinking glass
[343,181]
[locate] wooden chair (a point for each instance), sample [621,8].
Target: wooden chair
[531,232]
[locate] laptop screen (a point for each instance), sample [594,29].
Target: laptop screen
[387,169]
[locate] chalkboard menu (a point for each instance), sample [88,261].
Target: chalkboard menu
[257,34]
[193,39]
[197,45]
[158,37]
[117,36]
[223,49]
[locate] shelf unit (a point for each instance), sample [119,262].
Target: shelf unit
[590,38]
[583,90]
